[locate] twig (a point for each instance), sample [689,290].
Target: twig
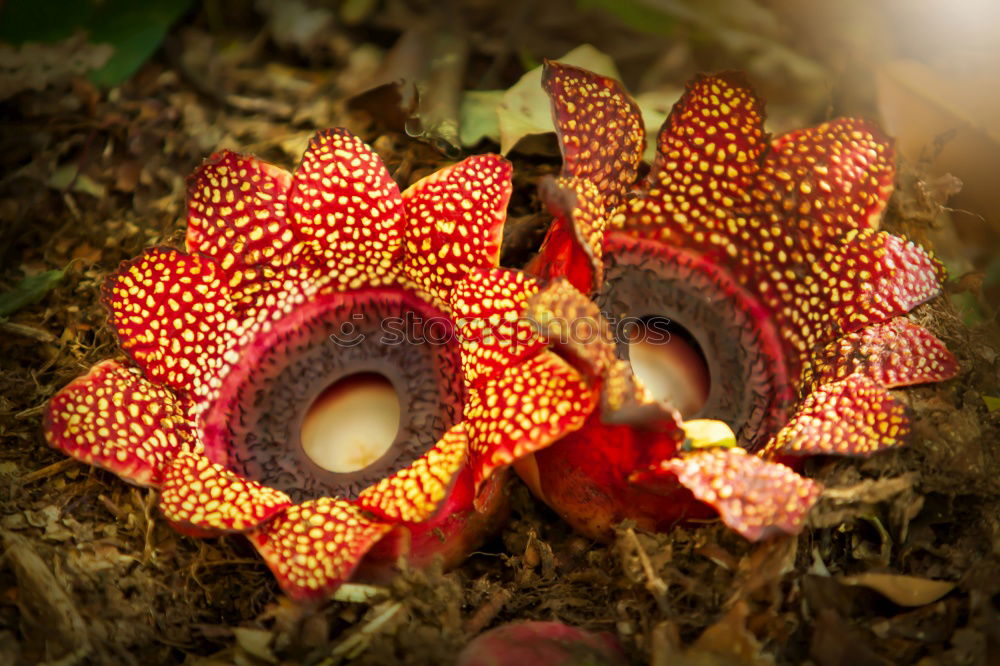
[487,612]
[48,470]
[27,332]
[359,641]
[147,511]
[654,584]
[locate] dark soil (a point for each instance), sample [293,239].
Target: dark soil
[91,574]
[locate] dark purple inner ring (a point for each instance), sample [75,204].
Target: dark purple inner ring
[384,337]
[746,386]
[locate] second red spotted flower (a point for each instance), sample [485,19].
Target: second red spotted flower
[764,312]
[248,351]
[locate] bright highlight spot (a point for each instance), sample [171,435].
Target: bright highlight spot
[352,423]
[708,433]
[674,371]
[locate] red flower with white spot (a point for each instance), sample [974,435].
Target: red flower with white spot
[304,301]
[764,301]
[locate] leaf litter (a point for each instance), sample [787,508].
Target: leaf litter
[899,563]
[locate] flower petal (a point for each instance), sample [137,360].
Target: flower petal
[455,222]
[754,497]
[315,546]
[830,178]
[414,493]
[528,407]
[346,207]
[599,127]
[894,353]
[200,494]
[237,211]
[907,275]
[170,311]
[573,325]
[709,149]
[574,245]
[114,418]
[853,416]
[487,308]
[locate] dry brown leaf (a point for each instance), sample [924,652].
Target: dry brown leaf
[900,589]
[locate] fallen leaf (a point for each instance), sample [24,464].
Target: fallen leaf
[255,642]
[29,290]
[478,116]
[36,66]
[525,107]
[900,589]
[134,30]
[69,176]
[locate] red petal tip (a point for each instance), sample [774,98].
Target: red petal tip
[114,418]
[487,308]
[206,496]
[754,497]
[529,407]
[455,222]
[414,493]
[894,353]
[237,211]
[170,311]
[853,416]
[599,126]
[314,547]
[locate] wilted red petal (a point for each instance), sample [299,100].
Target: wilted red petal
[573,247]
[754,497]
[414,493]
[573,326]
[343,202]
[197,493]
[313,547]
[114,418]
[455,222]
[599,127]
[237,211]
[827,179]
[527,408]
[170,312]
[487,308]
[853,416]
[894,353]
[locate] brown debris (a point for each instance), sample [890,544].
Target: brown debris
[92,574]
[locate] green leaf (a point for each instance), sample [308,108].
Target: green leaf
[992,403]
[28,291]
[636,14]
[525,109]
[134,29]
[478,116]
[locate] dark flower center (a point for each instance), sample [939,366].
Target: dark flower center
[345,395]
[709,350]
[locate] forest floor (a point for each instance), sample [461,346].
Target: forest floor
[92,574]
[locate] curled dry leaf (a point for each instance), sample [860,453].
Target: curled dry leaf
[900,589]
